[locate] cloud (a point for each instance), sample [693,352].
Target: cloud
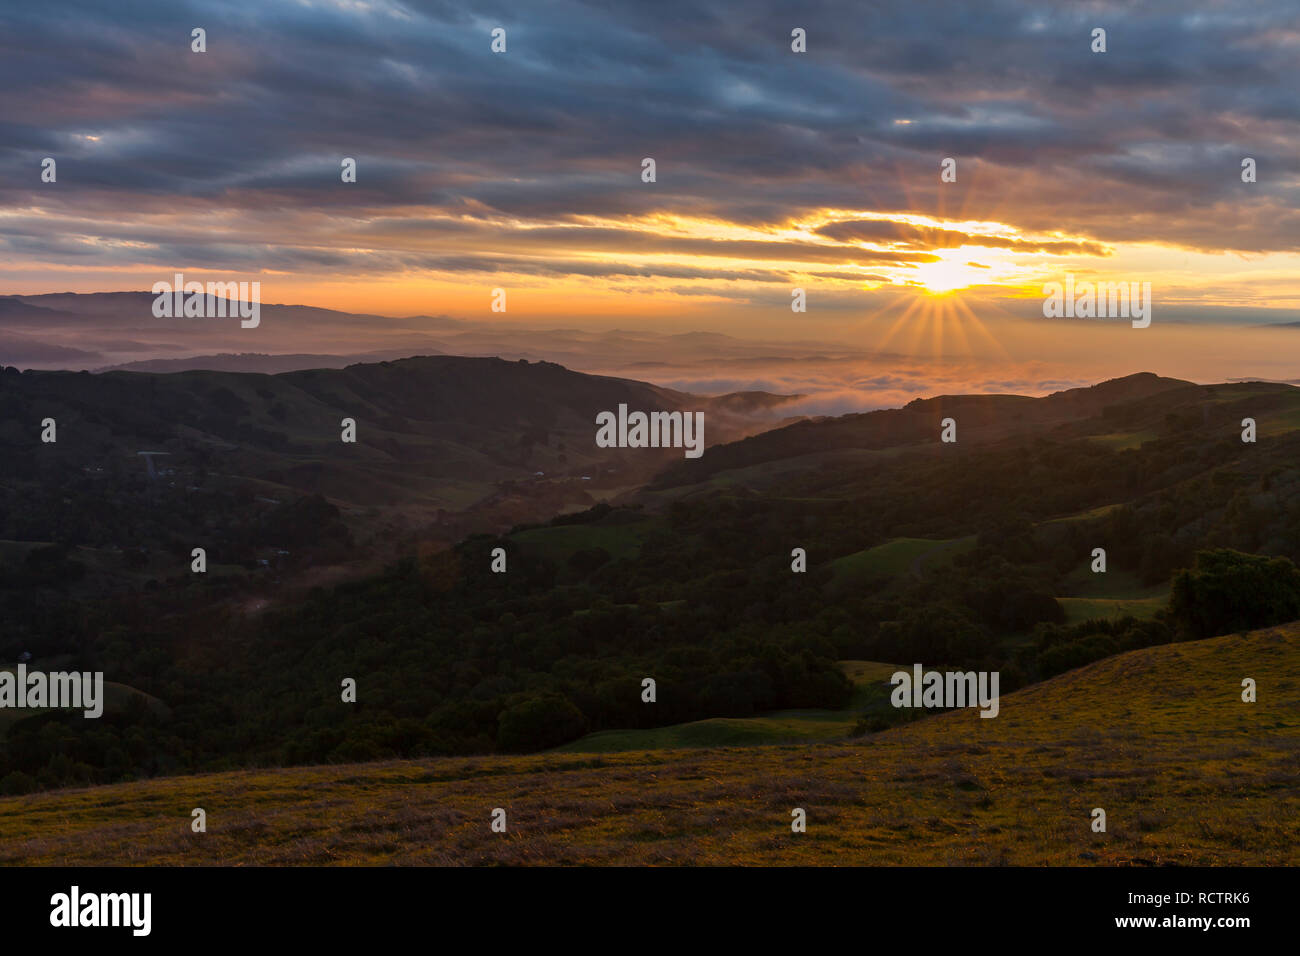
[930,237]
[529,161]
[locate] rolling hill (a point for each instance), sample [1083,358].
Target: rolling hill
[1120,413]
[473,444]
[1159,738]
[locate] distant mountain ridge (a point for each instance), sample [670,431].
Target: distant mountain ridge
[259,362]
[114,331]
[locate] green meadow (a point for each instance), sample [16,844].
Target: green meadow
[871,682]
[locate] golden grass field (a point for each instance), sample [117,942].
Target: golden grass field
[1159,738]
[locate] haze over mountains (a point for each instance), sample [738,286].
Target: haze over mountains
[117,330]
[474,444]
[834,373]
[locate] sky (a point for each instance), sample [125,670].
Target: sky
[775,170]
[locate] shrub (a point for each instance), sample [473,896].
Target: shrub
[539,722]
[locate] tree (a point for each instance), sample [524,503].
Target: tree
[1229,591]
[539,722]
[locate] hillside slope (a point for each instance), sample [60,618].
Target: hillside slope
[435,436]
[1119,413]
[1159,738]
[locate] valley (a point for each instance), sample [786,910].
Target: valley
[974,557]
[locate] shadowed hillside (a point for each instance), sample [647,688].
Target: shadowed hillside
[1159,738]
[1120,413]
[435,437]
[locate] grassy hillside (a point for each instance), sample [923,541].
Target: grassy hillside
[1115,594]
[1158,737]
[871,694]
[891,559]
[559,543]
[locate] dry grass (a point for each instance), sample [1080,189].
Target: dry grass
[1159,738]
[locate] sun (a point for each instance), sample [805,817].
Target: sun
[950,274]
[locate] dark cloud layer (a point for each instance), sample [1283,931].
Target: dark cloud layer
[454,142]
